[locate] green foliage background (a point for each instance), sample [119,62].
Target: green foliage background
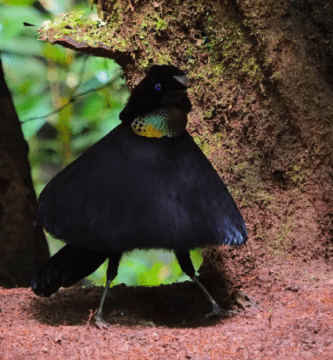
[66,102]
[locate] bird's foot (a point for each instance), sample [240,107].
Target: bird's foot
[217,311]
[100,323]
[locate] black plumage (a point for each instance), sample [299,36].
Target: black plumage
[144,185]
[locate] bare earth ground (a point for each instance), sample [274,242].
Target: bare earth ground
[293,319]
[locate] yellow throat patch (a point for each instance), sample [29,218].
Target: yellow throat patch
[160,122]
[143,129]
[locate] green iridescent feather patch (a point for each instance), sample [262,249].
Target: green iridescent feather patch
[169,122]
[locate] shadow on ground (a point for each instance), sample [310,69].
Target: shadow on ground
[176,305]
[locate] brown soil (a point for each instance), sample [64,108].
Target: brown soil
[291,317]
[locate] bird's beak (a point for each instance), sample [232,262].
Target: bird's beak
[183,79]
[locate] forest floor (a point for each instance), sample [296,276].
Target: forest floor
[290,317]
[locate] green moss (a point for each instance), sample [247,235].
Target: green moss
[283,241]
[159,36]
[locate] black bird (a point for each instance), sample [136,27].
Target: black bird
[144,185]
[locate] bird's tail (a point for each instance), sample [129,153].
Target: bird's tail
[65,268]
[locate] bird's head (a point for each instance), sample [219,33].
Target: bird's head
[159,98]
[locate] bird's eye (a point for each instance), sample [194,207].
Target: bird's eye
[158,87]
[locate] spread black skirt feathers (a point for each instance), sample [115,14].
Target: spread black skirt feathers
[129,191]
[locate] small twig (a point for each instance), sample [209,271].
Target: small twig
[130,6]
[80,76]
[90,316]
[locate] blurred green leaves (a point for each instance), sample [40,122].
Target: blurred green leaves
[147,268]
[18,2]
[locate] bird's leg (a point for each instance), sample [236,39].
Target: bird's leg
[216,311]
[112,271]
[186,265]
[100,323]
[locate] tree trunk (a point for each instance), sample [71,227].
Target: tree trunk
[23,247]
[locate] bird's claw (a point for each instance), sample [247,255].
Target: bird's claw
[217,311]
[100,323]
